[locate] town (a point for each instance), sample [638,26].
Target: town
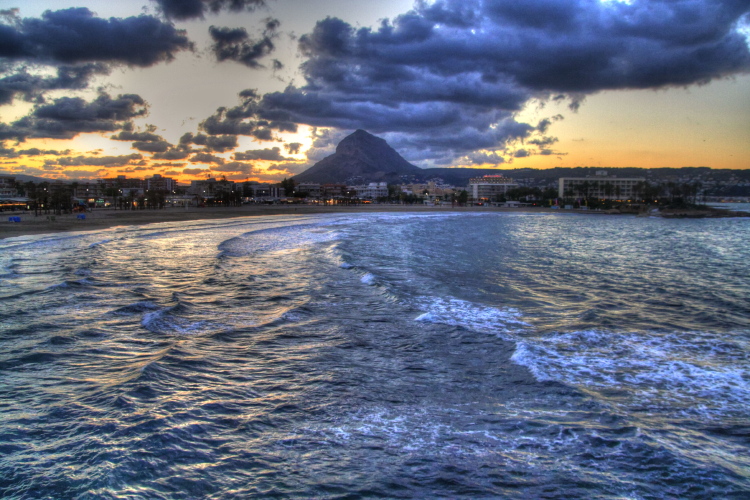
[590,189]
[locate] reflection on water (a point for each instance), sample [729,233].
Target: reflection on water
[474,355]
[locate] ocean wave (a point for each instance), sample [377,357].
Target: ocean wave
[368,279]
[691,372]
[456,312]
[98,243]
[277,239]
[168,321]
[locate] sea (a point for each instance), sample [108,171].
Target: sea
[378,355]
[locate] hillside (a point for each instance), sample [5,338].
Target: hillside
[360,155]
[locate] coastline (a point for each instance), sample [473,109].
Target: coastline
[106,218]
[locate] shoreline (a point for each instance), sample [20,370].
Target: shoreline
[104,218]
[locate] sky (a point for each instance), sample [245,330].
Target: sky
[262,89]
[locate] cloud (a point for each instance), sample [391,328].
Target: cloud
[43,152]
[67,117]
[218,143]
[173,153]
[448,77]
[244,119]
[484,157]
[191,9]
[98,161]
[289,168]
[234,44]
[194,171]
[521,153]
[234,166]
[145,141]
[543,142]
[268,154]
[128,133]
[206,158]
[76,35]
[31,86]
[84,174]
[292,148]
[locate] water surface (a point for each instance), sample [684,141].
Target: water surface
[378,355]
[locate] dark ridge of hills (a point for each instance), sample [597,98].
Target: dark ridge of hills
[360,155]
[31,178]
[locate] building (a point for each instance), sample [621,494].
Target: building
[489,187]
[372,191]
[159,183]
[313,189]
[210,188]
[122,182]
[601,187]
[263,192]
[89,193]
[7,187]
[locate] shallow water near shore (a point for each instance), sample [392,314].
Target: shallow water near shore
[396,355]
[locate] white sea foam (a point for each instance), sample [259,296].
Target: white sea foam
[368,279]
[692,372]
[432,432]
[456,312]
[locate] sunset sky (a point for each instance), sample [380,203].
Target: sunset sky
[262,89]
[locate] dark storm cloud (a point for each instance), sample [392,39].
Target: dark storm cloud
[292,148]
[458,68]
[146,141]
[152,146]
[211,143]
[247,119]
[190,9]
[235,44]
[482,158]
[268,154]
[66,117]
[173,153]
[128,133]
[206,158]
[76,35]
[31,87]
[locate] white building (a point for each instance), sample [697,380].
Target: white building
[489,187]
[372,191]
[600,187]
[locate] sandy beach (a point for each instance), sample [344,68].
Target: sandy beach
[106,218]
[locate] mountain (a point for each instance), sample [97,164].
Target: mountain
[27,178]
[362,155]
